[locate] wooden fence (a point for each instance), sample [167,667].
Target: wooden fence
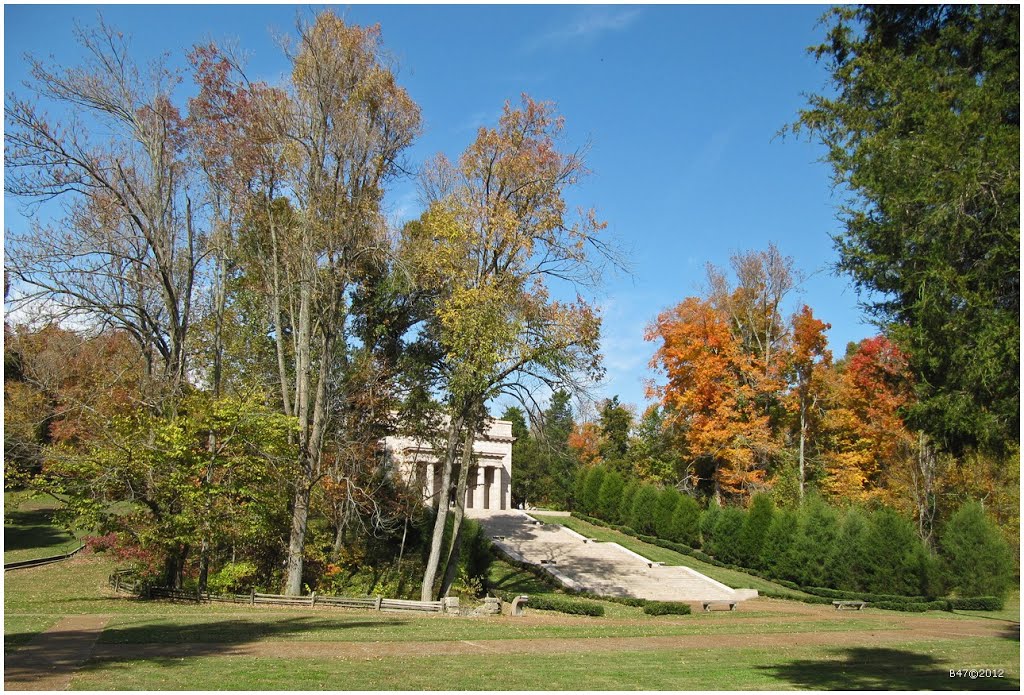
[125,581]
[22,564]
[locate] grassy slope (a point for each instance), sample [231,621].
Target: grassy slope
[29,532]
[737,580]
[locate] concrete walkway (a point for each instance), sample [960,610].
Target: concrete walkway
[607,569]
[50,660]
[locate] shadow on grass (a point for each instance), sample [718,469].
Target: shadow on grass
[34,529]
[872,668]
[59,653]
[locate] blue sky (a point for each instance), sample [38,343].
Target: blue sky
[681,105]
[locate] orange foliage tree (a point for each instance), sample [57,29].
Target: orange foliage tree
[865,431]
[711,395]
[808,360]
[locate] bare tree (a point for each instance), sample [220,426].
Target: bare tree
[126,252]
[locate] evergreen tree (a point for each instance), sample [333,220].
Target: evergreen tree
[707,525]
[645,509]
[667,501]
[615,422]
[814,542]
[755,529]
[557,462]
[527,473]
[685,526]
[849,564]
[976,559]
[892,557]
[592,489]
[728,529]
[626,502]
[609,495]
[776,555]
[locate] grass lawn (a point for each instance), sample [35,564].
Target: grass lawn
[732,578]
[264,648]
[910,666]
[29,532]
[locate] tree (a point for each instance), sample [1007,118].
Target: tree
[865,432]
[685,526]
[726,538]
[709,395]
[651,453]
[645,507]
[892,560]
[527,474]
[812,547]
[609,495]
[668,500]
[755,529]
[592,490]
[126,253]
[556,461]
[808,356]
[616,421]
[344,123]
[625,510]
[494,236]
[975,557]
[776,554]
[923,130]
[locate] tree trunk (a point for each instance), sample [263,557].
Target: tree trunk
[803,437]
[454,550]
[430,572]
[297,541]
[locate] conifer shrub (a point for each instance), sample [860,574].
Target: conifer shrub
[814,543]
[667,500]
[625,512]
[776,556]
[726,537]
[849,561]
[892,554]
[609,495]
[708,518]
[976,559]
[592,489]
[579,488]
[685,524]
[755,529]
[645,506]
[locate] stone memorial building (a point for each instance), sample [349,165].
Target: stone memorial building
[490,477]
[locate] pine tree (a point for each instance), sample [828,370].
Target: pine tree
[976,559]
[728,528]
[645,507]
[776,555]
[892,544]
[685,525]
[625,509]
[812,547]
[849,563]
[608,496]
[667,501]
[755,529]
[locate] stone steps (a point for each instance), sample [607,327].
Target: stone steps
[602,568]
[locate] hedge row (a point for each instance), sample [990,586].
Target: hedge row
[819,595]
[573,606]
[852,549]
[666,608]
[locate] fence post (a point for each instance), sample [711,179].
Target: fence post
[376,606]
[252,597]
[117,583]
[312,599]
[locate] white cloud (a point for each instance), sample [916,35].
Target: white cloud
[586,25]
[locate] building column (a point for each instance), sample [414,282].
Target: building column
[494,500]
[478,488]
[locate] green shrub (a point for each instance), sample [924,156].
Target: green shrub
[725,543]
[892,554]
[232,578]
[667,500]
[814,543]
[976,559]
[644,509]
[849,561]
[625,512]
[755,529]
[609,494]
[776,557]
[976,603]
[666,608]
[591,489]
[565,605]
[708,518]
[910,607]
[685,526]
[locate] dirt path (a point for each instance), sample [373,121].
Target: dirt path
[919,630]
[50,660]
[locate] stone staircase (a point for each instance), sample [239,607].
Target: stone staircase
[607,569]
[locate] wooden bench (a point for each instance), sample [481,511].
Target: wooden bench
[709,605]
[844,605]
[517,605]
